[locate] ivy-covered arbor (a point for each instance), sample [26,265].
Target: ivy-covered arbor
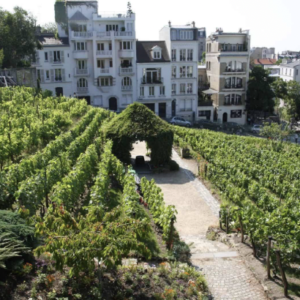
[139,123]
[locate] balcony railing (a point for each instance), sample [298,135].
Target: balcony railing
[124,71]
[82,34]
[103,34]
[145,80]
[228,103]
[104,71]
[233,48]
[82,90]
[80,72]
[229,70]
[126,87]
[56,61]
[123,33]
[104,52]
[235,86]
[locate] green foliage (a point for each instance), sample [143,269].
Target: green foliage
[137,122]
[279,61]
[1,57]
[17,37]
[260,94]
[274,131]
[203,57]
[292,99]
[49,28]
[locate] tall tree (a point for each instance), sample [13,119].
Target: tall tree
[292,99]
[17,37]
[260,96]
[1,57]
[49,27]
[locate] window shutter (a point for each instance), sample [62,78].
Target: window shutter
[51,56]
[52,75]
[62,56]
[63,75]
[42,76]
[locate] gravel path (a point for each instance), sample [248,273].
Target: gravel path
[225,272]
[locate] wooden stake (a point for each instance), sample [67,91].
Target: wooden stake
[242,228]
[285,283]
[227,225]
[268,257]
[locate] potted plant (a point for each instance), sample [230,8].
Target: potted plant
[123,28]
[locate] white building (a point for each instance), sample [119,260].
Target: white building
[290,71]
[154,77]
[182,45]
[95,57]
[227,63]
[263,52]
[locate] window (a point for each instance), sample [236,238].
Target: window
[101,63]
[190,54]
[201,46]
[182,88]
[110,46]
[182,72]
[126,99]
[104,81]
[112,27]
[227,99]
[182,54]
[142,91]
[157,55]
[100,47]
[235,114]
[151,90]
[190,71]
[173,35]
[48,75]
[232,98]
[58,75]
[125,45]
[173,71]
[173,54]
[81,64]
[110,63]
[82,82]
[190,88]
[80,46]
[46,56]
[126,81]
[188,105]
[162,90]
[238,99]
[56,56]
[82,28]
[174,89]
[186,34]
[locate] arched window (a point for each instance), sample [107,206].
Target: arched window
[126,81]
[82,82]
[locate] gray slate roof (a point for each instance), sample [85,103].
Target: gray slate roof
[78,16]
[292,64]
[143,52]
[49,40]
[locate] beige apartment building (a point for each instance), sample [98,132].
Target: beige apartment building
[227,64]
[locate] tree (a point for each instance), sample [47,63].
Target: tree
[260,94]
[279,61]
[49,27]
[129,9]
[203,57]
[1,57]
[292,99]
[17,37]
[275,132]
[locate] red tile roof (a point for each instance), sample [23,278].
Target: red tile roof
[265,61]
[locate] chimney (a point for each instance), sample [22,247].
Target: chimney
[169,23]
[193,23]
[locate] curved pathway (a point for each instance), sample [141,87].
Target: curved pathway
[226,274]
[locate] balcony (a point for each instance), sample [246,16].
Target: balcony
[81,72]
[228,103]
[122,34]
[80,54]
[113,16]
[126,53]
[82,90]
[100,72]
[145,80]
[56,62]
[230,71]
[127,88]
[79,35]
[233,48]
[126,71]
[234,87]
[104,53]
[104,35]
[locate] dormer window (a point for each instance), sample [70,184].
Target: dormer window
[156,52]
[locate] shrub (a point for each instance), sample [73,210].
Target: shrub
[173,166]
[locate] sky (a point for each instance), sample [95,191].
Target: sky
[272,23]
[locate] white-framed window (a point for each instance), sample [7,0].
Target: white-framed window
[156,54]
[126,99]
[56,55]
[101,63]
[182,88]
[126,81]
[173,54]
[173,88]
[151,91]
[162,90]
[182,54]
[104,81]
[82,82]
[126,45]
[190,54]
[182,71]
[186,34]
[100,47]
[46,56]
[80,46]
[189,71]
[190,88]
[110,63]
[188,105]
[58,75]
[142,91]
[47,75]
[112,27]
[81,64]
[82,28]
[173,71]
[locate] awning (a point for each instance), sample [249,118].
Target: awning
[210,92]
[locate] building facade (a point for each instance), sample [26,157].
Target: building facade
[227,64]
[201,42]
[290,71]
[182,45]
[262,53]
[95,57]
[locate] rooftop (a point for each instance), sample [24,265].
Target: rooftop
[292,64]
[49,40]
[265,61]
[144,48]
